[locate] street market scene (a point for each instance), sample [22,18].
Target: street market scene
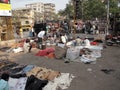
[47,46]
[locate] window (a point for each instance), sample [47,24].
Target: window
[34,8]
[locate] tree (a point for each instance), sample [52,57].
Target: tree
[68,11]
[93,9]
[90,9]
[61,12]
[114,6]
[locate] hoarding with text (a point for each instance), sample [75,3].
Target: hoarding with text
[5,8]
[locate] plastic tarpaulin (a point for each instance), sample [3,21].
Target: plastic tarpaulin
[72,53]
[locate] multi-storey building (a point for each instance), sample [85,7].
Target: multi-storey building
[46,11]
[49,11]
[37,7]
[23,18]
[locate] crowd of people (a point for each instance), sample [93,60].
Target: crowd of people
[57,32]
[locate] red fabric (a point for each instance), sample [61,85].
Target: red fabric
[42,53]
[45,52]
[4,1]
[50,50]
[51,55]
[109,36]
[93,43]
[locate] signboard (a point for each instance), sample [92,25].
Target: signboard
[5,8]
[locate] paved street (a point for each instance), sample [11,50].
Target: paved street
[87,76]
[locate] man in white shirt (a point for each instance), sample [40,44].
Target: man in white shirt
[40,37]
[64,39]
[41,34]
[87,42]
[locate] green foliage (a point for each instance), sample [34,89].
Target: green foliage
[114,6]
[90,9]
[93,9]
[68,11]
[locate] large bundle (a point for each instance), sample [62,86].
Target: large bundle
[59,52]
[72,53]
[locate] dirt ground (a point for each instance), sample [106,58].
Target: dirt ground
[87,76]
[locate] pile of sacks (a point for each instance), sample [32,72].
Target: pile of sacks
[74,53]
[84,54]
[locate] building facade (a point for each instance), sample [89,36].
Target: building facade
[23,18]
[45,11]
[49,11]
[36,7]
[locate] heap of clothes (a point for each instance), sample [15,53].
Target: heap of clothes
[31,77]
[22,46]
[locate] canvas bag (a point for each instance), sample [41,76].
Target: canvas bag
[59,52]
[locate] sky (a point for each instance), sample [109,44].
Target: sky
[60,4]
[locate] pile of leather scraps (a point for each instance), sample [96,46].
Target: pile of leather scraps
[55,78]
[39,72]
[43,73]
[11,67]
[30,76]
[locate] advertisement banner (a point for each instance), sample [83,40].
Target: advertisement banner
[5,8]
